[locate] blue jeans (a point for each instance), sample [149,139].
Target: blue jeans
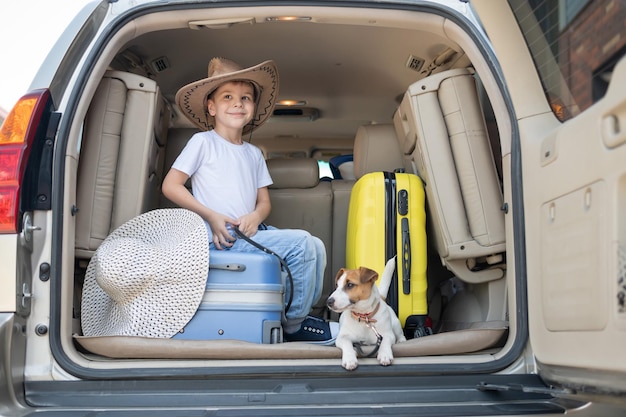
[305,256]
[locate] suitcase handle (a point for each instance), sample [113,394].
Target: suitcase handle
[403,202]
[406,256]
[228,267]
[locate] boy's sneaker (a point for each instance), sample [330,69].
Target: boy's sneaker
[315,330]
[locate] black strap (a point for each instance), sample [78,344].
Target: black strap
[271,252]
[390,235]
[359,345]
[359,348]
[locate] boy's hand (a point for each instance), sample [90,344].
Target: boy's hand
[221,236]
[249,224]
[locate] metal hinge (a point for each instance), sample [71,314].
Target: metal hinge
[26,297]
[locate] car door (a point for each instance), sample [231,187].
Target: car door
[557,64]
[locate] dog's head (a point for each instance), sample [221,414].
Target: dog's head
[353,285]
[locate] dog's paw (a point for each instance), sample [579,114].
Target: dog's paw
[385,358]
[350,363]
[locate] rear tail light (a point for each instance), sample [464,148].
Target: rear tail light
[17,136]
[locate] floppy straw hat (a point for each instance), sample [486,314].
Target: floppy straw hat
[192,98]
[148,276]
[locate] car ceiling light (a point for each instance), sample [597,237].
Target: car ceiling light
[291,102]
[288,19]
[220,23]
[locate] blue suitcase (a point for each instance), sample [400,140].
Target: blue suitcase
[243,299]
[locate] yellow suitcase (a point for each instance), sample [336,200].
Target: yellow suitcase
[387,218]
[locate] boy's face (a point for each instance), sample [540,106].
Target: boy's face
[232,104]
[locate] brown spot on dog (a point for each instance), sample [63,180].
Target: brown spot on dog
[358,283]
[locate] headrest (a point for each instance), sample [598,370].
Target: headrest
[294,173]
[376,148]
[346,171]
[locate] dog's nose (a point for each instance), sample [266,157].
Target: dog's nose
[330,301]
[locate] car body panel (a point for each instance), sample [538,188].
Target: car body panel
[574,221]
[8,299]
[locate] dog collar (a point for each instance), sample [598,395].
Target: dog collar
[366,317]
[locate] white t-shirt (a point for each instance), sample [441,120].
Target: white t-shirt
[224,177]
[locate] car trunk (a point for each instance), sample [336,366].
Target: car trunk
[126,131]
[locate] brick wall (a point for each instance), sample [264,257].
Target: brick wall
[591,40]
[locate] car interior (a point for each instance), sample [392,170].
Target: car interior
[361,90]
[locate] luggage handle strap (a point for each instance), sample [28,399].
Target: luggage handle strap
[283,263]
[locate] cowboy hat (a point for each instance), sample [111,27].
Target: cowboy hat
[147,278]
[192,98]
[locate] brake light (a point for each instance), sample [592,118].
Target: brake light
[17,136]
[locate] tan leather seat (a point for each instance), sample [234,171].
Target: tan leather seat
[121,158]
[176,141]
[444,139]
[376,148]
[301,201]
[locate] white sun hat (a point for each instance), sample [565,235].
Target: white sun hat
[148,276]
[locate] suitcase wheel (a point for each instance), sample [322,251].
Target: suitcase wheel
[418,326]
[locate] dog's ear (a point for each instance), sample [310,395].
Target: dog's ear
[367,275]
[339,274]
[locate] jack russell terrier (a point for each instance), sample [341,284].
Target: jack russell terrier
[366,319]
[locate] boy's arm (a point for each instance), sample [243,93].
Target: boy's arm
[249,224]
[173,188]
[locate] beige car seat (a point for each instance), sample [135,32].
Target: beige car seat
[444,140]
[121,158]
[301,201]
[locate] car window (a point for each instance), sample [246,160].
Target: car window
[573,52]
[325,171]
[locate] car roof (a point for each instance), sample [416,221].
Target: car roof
[327,57]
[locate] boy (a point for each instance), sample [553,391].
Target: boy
[229,180]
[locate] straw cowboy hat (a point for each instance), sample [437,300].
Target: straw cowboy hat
[148,276]
[192,98]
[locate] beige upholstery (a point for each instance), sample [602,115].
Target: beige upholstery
[301,201]
[294,173]
[341,201]
[176,141]
[478,337]
[376,149]
[347,170]
[119,173]
[444,139]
